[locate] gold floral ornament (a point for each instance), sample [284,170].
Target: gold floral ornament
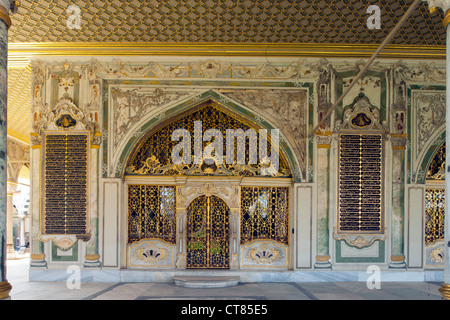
[437,255]
[264,254]
[151,255]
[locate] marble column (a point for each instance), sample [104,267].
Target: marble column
[92,256]
[323,140]
[181,223]
[5,23]
[434,5]
[37,256]
[397,259]
[12,186]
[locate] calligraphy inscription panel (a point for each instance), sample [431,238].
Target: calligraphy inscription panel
[360,183]
[66,183]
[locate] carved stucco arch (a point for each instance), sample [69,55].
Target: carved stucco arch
[223,103]
[426,155]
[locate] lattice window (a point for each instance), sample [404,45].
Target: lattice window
[360,183]
[434,215]
[151,213]
[264,214]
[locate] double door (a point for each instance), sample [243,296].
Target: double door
[208,233]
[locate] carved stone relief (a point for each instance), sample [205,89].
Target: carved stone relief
[286,109]
[264,254]
[129,106]
[151,253]
[429,109]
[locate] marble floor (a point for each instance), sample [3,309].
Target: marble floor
[22,289]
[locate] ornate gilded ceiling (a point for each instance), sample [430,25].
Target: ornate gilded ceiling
[243,21]
[248,23]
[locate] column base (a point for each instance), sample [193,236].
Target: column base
[323,262]
[5,289]
[445,291]
[37,260]
[92,261]
[397,262]
[181,261]
[234,264]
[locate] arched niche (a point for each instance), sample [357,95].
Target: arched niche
[152,154]
[222,103]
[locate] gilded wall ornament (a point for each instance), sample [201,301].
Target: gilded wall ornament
[264,254]
[359,240]
[150,253]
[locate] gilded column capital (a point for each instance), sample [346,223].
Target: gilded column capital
[5,7]
[435,5]
[324,139]
[11,187]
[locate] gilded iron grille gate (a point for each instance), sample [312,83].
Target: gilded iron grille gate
[264,214]
[208,233]
[434,215]
[151,213]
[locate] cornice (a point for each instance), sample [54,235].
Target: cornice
[20,53]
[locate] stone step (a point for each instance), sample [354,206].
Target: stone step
[206,281]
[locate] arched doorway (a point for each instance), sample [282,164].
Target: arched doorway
[204,205]
[208,233]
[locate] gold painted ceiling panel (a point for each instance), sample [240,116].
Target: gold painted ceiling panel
[223,21]
[19,103]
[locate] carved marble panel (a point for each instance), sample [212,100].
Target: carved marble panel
[286,109]
[264,254]
[429,114]
[130,105]
[151,253]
